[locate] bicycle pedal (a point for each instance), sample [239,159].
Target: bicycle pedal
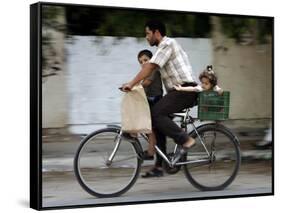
[179,155]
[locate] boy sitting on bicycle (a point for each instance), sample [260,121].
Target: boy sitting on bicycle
[154,92]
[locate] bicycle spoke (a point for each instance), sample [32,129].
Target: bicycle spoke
[124,159]
[103,161]
[224,158]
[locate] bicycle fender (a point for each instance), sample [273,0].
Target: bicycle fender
[114,126]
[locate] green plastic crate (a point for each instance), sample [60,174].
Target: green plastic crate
[212,106]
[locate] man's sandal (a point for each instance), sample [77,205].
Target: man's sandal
[153,173]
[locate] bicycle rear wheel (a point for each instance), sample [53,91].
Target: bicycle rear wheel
[93,171]
[224,160]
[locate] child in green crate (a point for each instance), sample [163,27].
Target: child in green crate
[208,81]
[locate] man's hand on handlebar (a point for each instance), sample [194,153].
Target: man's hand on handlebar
[126,87]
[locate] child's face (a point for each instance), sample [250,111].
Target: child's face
[143,59]
[205,83]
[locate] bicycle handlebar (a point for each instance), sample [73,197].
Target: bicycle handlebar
[121,89]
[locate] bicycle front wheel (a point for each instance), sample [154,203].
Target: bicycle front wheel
[223,161]
[96,174]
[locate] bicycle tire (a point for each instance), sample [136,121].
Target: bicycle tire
[79,171]
[188,169]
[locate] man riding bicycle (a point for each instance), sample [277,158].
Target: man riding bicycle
[217,154]
[175,69]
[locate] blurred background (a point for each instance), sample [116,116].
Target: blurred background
[88,52]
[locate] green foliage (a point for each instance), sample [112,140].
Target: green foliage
[122,22]
[237,27]
[125,22]
[51,22]
[50,16]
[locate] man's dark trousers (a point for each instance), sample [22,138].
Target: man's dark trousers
[173,102]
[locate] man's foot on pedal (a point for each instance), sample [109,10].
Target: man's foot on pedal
[190,143]
[147,156]
[155,172]
[185,147]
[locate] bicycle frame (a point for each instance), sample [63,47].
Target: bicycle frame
[118,141]
[186,119]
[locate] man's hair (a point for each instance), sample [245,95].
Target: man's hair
[148,53]
[154,25]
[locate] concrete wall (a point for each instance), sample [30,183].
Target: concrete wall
[97,66]
[54,88]
[246,71]
[54,102]
[83,95]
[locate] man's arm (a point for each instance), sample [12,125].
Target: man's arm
[186,89]
[146,82]
[145,71]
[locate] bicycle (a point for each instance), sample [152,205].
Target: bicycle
[108,161]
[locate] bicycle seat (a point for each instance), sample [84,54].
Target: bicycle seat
[181,114]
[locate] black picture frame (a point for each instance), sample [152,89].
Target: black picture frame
[36,95]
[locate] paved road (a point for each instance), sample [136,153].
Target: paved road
[62,189]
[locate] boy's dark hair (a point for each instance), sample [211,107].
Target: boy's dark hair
[154,25]
[148,53]
[209,74]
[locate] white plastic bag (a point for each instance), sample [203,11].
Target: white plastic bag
[135,111]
